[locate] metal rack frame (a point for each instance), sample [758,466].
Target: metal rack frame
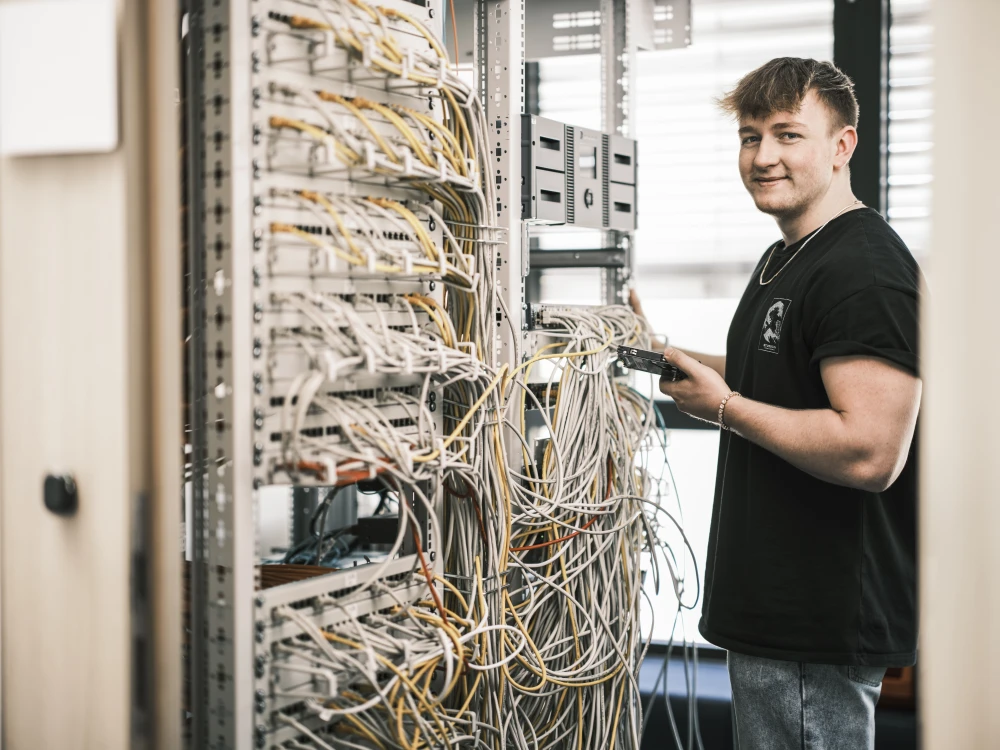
[223,554]
[500,58]
[614,258]
[618,77]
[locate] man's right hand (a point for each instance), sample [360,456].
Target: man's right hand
[634,303]
[656,342]
[716,362]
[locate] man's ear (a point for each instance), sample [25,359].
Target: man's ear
[847,141]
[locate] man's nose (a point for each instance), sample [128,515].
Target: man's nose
[767,154]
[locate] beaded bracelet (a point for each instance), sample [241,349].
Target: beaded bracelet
[722,410]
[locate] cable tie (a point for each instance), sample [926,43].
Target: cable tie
[414,323]
[442,172]
[331,42]
[407,163]
[392,166]
[442,363]
[319,709]
[369,355]
[331,257]
[442,264]
[331,469]
[331,681]
[407,361]
[369,156]
[477,365]
[407,264]
[406,64]
[330,146]
[371,260]
[367,52]
[331,365]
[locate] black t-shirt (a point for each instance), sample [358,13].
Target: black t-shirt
[798,568]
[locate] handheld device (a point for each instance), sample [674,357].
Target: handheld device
[647,361]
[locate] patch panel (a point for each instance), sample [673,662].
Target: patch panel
[317,228]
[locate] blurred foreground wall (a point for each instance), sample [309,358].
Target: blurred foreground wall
[90,385]
[960,517]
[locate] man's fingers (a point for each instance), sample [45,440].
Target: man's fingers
[633,302]
[680,360]
[667,386]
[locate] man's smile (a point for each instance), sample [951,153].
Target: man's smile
[769,181]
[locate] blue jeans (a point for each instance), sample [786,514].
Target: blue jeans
[789,705]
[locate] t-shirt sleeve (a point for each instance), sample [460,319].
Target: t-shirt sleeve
[876,321]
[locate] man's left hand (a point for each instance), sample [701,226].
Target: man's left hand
[701,392]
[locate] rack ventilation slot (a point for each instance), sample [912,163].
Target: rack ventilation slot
[570,177]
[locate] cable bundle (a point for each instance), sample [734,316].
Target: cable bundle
[530,637]
[562,548]
[538,631]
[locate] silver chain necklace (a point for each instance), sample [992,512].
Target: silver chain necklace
[775,247]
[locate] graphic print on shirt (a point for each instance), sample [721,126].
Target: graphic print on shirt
[770,334]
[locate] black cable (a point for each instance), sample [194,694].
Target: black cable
[334,555]
[666,692]
[687,688]
[315,535]
[383,495]
[327,502]
[304,548]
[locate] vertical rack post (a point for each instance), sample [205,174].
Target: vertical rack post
[501,60]
[618,78]
[502,76]
[224,504]
[231,660]
[197,417]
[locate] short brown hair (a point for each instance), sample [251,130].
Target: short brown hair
[781,84]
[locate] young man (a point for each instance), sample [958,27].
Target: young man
[810,580]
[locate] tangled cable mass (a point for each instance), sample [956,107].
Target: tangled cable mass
[526,631]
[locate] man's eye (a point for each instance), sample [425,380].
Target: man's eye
[790,136]
[748,140]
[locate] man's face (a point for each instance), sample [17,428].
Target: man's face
[787,160]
